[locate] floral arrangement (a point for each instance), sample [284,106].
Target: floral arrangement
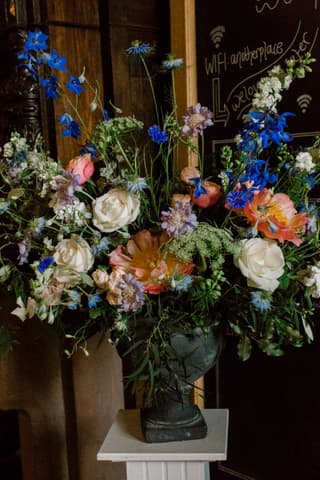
[119,240]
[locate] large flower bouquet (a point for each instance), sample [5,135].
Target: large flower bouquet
[119,240]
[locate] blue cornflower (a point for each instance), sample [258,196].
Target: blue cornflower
[71,126]
[199,189]
[139,48]
[36,41]
[137,185]
[157,135]
[93,300]
[44,264]
[50,85]
[261,300]
[238,198]
[55,61]
[74,85]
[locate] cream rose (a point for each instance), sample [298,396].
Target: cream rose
[115,209]
[261,261]
[74,253]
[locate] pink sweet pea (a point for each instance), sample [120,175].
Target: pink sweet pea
[82,166]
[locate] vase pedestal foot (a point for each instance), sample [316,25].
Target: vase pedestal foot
[160,425]
[165,461]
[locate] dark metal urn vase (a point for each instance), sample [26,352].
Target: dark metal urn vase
[172,417]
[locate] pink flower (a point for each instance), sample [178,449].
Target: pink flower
[210,198]
[144,258]
[276,217]
[82,166]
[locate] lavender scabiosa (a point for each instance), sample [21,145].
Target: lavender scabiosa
[179,219]
[196,120]
[131,293]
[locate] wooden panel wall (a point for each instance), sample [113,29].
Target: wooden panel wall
[70,405]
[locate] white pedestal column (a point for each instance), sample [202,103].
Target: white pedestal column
[184,460]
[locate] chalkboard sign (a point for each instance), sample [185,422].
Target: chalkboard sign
[238,41]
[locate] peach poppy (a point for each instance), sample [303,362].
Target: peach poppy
[144,258]
[276,217]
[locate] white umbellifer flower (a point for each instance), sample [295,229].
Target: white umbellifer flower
[261,261]
[74,253]
[114,210]
[311,279]
[304,162]
[76,213]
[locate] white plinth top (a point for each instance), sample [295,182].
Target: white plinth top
[124,441]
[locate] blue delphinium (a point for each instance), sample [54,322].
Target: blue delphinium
[157,135]
[55,61]
[36,41]
[74,85]
[257,172]
[199,188]
[72,128]
[50,85]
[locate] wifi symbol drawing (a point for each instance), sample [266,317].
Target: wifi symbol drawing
[304,101]
[216,35]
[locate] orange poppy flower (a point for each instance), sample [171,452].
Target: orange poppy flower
[276,217]
[144,258]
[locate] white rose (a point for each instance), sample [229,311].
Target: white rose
[261,261]
[74,253]
[115,209]
[66,276]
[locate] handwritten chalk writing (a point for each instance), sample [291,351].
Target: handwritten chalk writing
[305,45]
[257,55]
[243,97]
[221,114]
[217,64]
[271,4]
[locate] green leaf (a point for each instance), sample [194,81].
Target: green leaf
[244,348]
